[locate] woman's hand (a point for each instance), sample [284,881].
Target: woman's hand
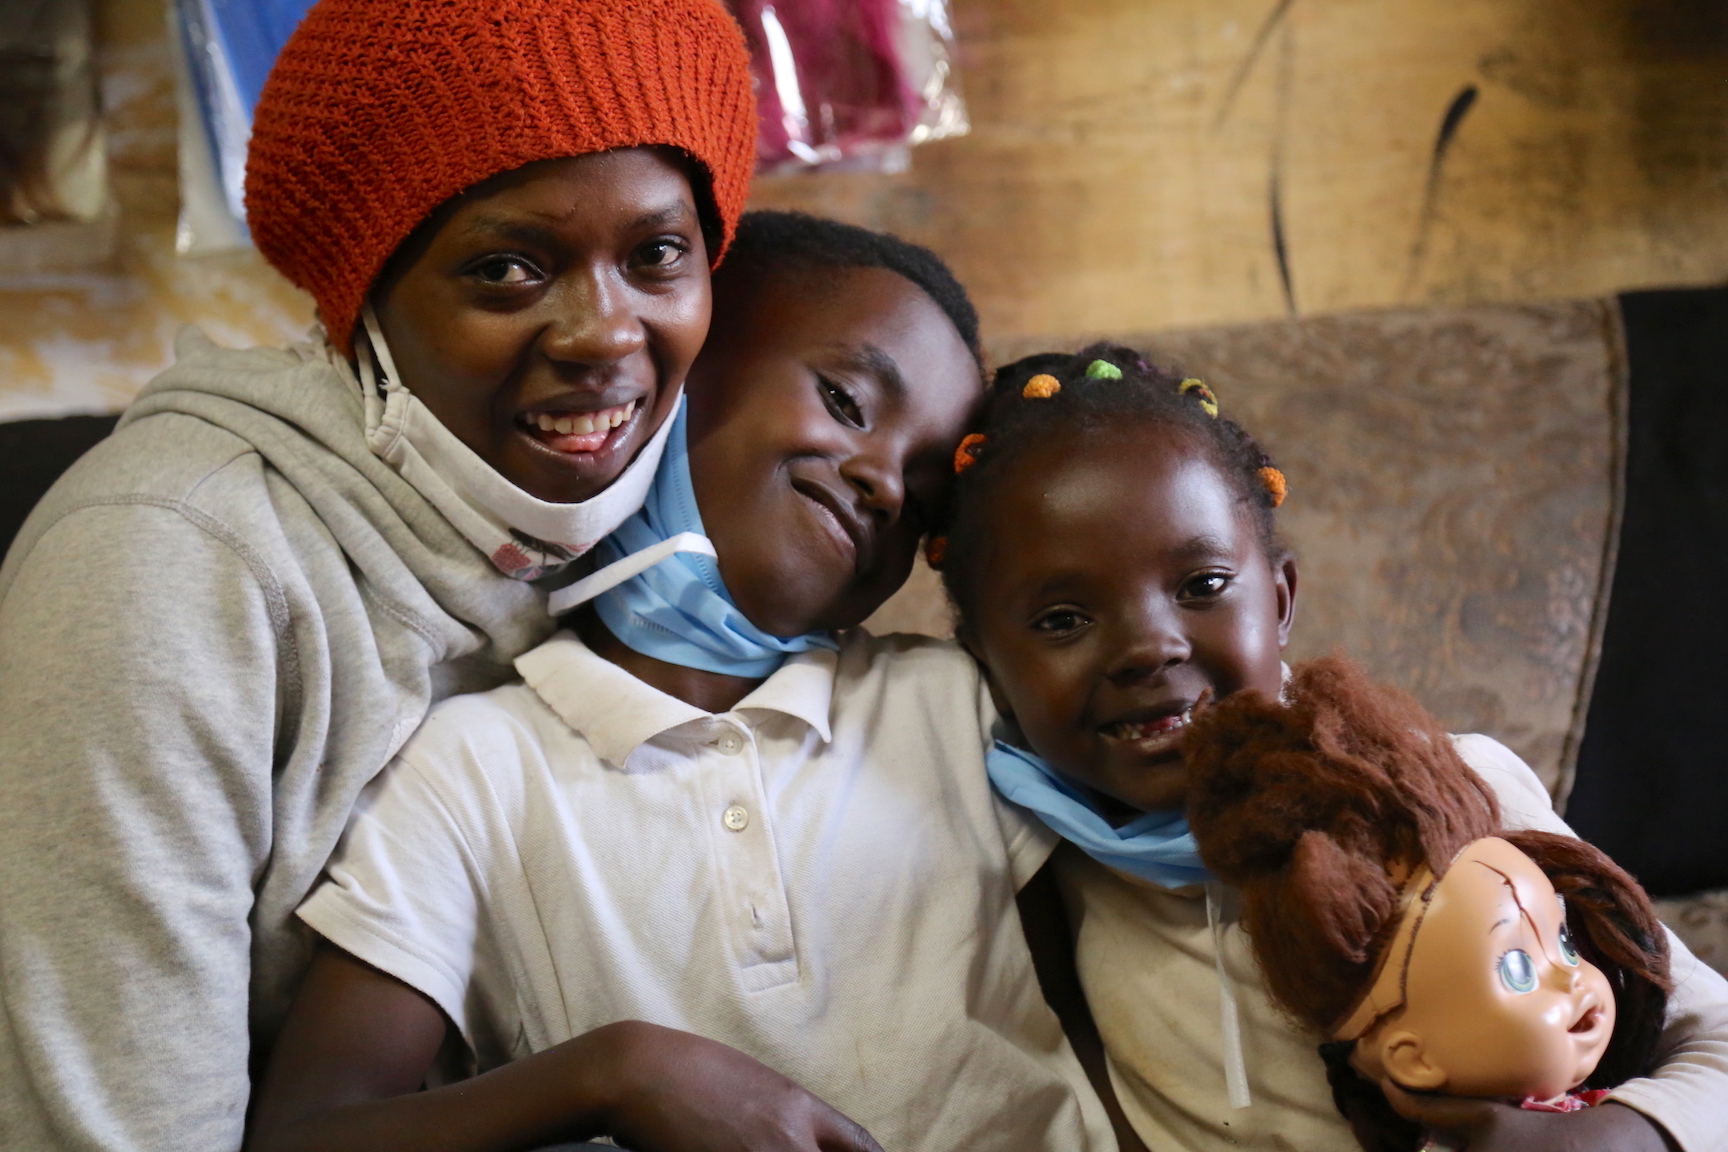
[1488,1126]
[678,1092]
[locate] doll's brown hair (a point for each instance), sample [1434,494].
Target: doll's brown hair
[1304,803]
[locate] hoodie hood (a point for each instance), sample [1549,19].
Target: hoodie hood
[301,408]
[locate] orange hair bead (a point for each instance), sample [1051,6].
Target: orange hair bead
[967,454]
[1276,486]
[1041,387]
[935,549]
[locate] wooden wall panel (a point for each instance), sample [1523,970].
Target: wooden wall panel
[1122,174]
[1137,164]
[87,341]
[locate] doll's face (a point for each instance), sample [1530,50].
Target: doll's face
[1498,1002]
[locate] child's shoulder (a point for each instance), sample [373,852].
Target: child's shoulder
[904,686]
[480,715]
[485,739]
[1524,802]
[906,660]
[860,644]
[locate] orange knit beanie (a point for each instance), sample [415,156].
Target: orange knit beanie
[378,111]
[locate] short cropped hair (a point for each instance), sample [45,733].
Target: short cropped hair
[768,240]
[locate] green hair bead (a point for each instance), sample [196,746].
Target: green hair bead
[1103,370]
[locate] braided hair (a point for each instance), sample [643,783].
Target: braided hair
[1101,386]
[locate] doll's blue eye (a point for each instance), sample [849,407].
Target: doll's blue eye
[1568,950]
[1517,971]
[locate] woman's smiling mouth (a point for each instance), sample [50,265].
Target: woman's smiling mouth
[574,432]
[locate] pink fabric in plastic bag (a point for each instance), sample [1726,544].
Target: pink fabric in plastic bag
[831,84]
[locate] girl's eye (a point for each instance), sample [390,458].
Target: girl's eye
[1568,949]
[840,402]
[1518,971]
[1205,586]
[1061,620]
[506,270]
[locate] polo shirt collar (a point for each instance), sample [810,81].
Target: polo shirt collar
[617,713]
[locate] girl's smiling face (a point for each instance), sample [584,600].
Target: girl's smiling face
[548,317]
[1120,580]
[823,417]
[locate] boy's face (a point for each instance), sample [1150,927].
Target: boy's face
[1120,579]
[548,316]
[824,411]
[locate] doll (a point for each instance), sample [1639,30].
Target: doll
[1390,912]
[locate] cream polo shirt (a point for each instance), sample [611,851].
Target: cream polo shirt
[821,878]
[1147,962]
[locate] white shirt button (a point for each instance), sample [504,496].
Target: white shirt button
[730,743]
[736,818]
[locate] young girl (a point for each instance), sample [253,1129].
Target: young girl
[1113,559]
[226,619]
[704,870]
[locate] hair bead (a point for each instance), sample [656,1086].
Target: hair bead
[1132,391]
[967,454]
[1276,486]
[1208,401]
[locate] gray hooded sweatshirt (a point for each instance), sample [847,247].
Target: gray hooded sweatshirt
[214,630]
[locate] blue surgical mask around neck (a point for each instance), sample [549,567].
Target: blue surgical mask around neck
[659,589]
[1157,847]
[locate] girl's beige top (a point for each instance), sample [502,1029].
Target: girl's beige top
[1148,963]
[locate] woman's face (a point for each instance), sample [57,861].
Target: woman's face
[547,317]
[1498,1001]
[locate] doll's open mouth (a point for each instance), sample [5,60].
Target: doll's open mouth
[1588,1022]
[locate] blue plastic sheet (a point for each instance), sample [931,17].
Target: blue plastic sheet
[230,46]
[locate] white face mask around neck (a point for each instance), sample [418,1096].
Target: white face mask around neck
[523,536]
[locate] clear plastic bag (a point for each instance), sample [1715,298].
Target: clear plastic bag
[850,83]
[225,49]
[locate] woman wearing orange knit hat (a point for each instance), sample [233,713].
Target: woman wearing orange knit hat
[224,620]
